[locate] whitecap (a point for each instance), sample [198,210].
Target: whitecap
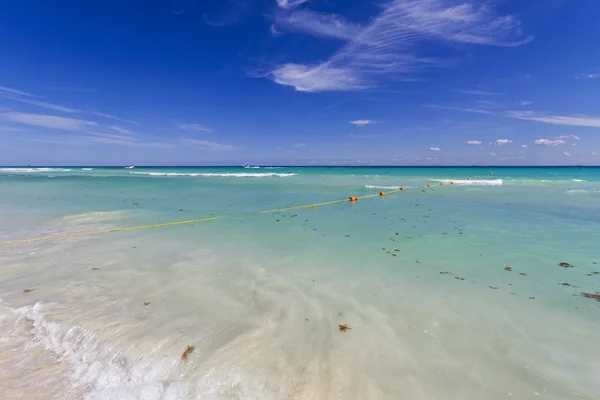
[28,170]
[219,175]
[472,182]
[382,187]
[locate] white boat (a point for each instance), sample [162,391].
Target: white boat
[130,167]
[250,166]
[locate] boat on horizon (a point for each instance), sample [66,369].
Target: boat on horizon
[130,167]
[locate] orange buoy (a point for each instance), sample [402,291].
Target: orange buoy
[352,198]
[441,183]
[452,183]
[401,188]
[382,193]
[429,185]
[468,179]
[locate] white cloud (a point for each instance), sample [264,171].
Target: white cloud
[384,47]
[567,154]
[204,144]
[595,75]
[110,116]
[551,143]
[524,146]
[566,137]
[355,136]
[316,24]
[469,110]
[300,145]
[194,128]
[479,92]
[112,136]
[49,106]
[14,92]
[434,149]
[362,122]
[492,154]
[120,130]
[287,4]
[525,103]
[592,122]
[317,78]
[473,142]
[501,142]
[49,121]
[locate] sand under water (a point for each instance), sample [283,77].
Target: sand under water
[249,306]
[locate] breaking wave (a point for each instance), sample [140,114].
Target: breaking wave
[474,182]
[219,175]
[28,170]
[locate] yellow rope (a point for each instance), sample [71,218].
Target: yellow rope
[190,221]
[131,228]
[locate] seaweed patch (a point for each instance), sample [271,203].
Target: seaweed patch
[187,352]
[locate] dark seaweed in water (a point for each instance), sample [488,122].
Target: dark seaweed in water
[565,265]
[343,327]
[592,296]
[187,352]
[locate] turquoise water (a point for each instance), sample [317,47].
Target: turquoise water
[419,277]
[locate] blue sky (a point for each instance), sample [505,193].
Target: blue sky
[394,82]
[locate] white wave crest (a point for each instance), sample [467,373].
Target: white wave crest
[218,175]
[473,182]
[95,365]
[28,170]
[382,187]
[86,169]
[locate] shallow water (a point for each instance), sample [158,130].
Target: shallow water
[419,277]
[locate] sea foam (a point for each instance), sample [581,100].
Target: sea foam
[27,170]
[473,182]
[219,175]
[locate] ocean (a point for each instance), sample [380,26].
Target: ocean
[480,288]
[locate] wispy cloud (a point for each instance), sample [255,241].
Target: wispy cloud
[479,92]
[592,122]
[205,144]
[316,24]
[524,103]
[27,98]
[48,121]
[473,142]
[501,142]
[434,149]
[567,154]
[300,145]
[385,47]
[566,137]
[594,75]
[110,116]
[551,143]
[120,130]
[194,128]
[288,4]
[49,106]
[14,92]
[467,109]
[357,136]
[362,122]
[524,146]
